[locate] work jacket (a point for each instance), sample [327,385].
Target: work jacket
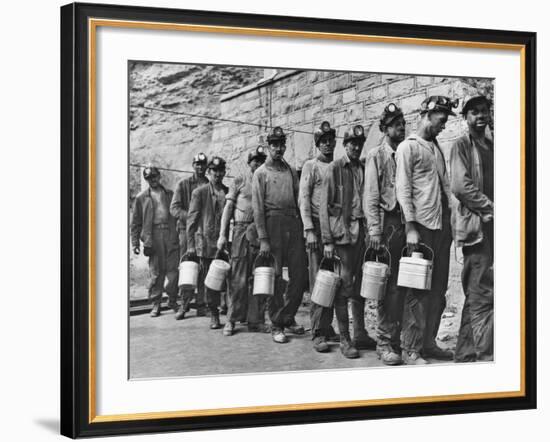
[420,178]
[141,224]
[182,197]
[466,185]
[311,183]
[379,195]
[338,224]
[204,220]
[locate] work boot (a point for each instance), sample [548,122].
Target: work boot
[320,344]
[413,358]
[295,329]
[215,320]
[278,336]
[155,310]
[180,314]
[228,328]
[363,341]
[346,346]
[388,356]
[438,353]
[184,308]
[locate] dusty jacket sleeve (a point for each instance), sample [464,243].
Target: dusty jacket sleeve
[403,180]
[462,183]
[306,188]
[136,223]
[176,206]
[193,218]
[371,196]
[327,192]
[258,193]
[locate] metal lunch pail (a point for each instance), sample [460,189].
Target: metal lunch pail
[375,274]
[264,277]
[326,284]
[188,273]
[415,271]
[217,273]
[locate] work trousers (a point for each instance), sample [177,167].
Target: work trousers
[475,338]
[163,264]
[241,304]
[423,308]
[188,294]
[320,317]
[390,307]
[287,246]
[351,262]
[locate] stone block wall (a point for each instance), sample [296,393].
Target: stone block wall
[300,100]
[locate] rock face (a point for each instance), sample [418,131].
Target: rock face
[300,100]
[167,139]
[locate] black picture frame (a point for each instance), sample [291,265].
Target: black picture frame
[76,418]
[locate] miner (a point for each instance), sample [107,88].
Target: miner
[156,228]
[343,234]
[203,223]
[472,184]
[386,229]
[275,188]
[311,182]
[423,192]
[179,208]
[242,305]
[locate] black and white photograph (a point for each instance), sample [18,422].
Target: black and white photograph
[284,220]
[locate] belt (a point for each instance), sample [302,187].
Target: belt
[161,226]
[282,212]
[241,223]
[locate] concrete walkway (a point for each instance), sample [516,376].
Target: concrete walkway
[164,347]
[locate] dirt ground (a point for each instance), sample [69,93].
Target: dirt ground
[163,347]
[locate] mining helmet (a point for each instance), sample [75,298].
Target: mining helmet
[391,112]
[324,131]
[470,102]
[200,158]
[150,171]
[356,133]
[257,154]
[276,134]
[438,103]
[216,163]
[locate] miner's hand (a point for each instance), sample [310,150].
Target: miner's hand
[413,237]
[265,248]
[329,251]
[311,240]
[375,241]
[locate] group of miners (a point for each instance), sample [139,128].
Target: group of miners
[402,197]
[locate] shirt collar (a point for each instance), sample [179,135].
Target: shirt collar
[277,165]
[345,159]
[488,140]
[387,148]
